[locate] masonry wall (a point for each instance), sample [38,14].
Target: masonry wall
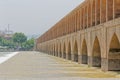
[90,34]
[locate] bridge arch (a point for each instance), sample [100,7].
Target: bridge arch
[56,49]
[114,44]
[84,52]
[51,49]
[60,51]
[64,50]
[75,51]
[114,53]
[69,51]
[96,53]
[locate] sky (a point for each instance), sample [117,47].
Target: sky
[33,17]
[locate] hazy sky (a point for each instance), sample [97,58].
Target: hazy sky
[33,16]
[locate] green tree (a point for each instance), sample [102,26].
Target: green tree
[19,38]
[1,41]
[28,45]
[8,43]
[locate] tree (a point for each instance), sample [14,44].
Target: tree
[6,43]
[28,45]
[1,41]
[19,38]
[19,41]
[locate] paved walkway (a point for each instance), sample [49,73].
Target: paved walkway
[39,66]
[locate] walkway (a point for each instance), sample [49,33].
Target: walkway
[39,66]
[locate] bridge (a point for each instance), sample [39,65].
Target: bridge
[90,34]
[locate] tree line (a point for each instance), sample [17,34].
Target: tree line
[18,41]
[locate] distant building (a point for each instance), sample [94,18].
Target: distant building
[6,34]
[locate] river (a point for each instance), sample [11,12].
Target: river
[4,56]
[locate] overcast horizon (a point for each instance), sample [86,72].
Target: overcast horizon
[33,17]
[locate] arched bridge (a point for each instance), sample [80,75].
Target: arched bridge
[90,34]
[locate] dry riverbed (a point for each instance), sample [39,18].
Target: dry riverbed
[39,66]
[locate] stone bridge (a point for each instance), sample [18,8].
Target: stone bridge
[90,34]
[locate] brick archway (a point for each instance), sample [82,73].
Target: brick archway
[60,51]
[69,51]
[75,52]
[64,51]
[96,53]
[114,54]
[56,50]
[114,44]
[84,53]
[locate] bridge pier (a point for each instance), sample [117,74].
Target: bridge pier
[75,57]
[67,57]
[104,64]
[94,61]
[59,54]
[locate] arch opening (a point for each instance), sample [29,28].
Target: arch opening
[117,8]
[75,52]
[110,9]
[64,51]
[84,53]
[86,15]
[82,18]
[60,54]
[52,50]
[97,12]
[103,11]
[96,60]
[89,15]
[93,13]
[56,50]
[69,51]
[114,45]
[114,54]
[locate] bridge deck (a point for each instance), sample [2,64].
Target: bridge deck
[35,65]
